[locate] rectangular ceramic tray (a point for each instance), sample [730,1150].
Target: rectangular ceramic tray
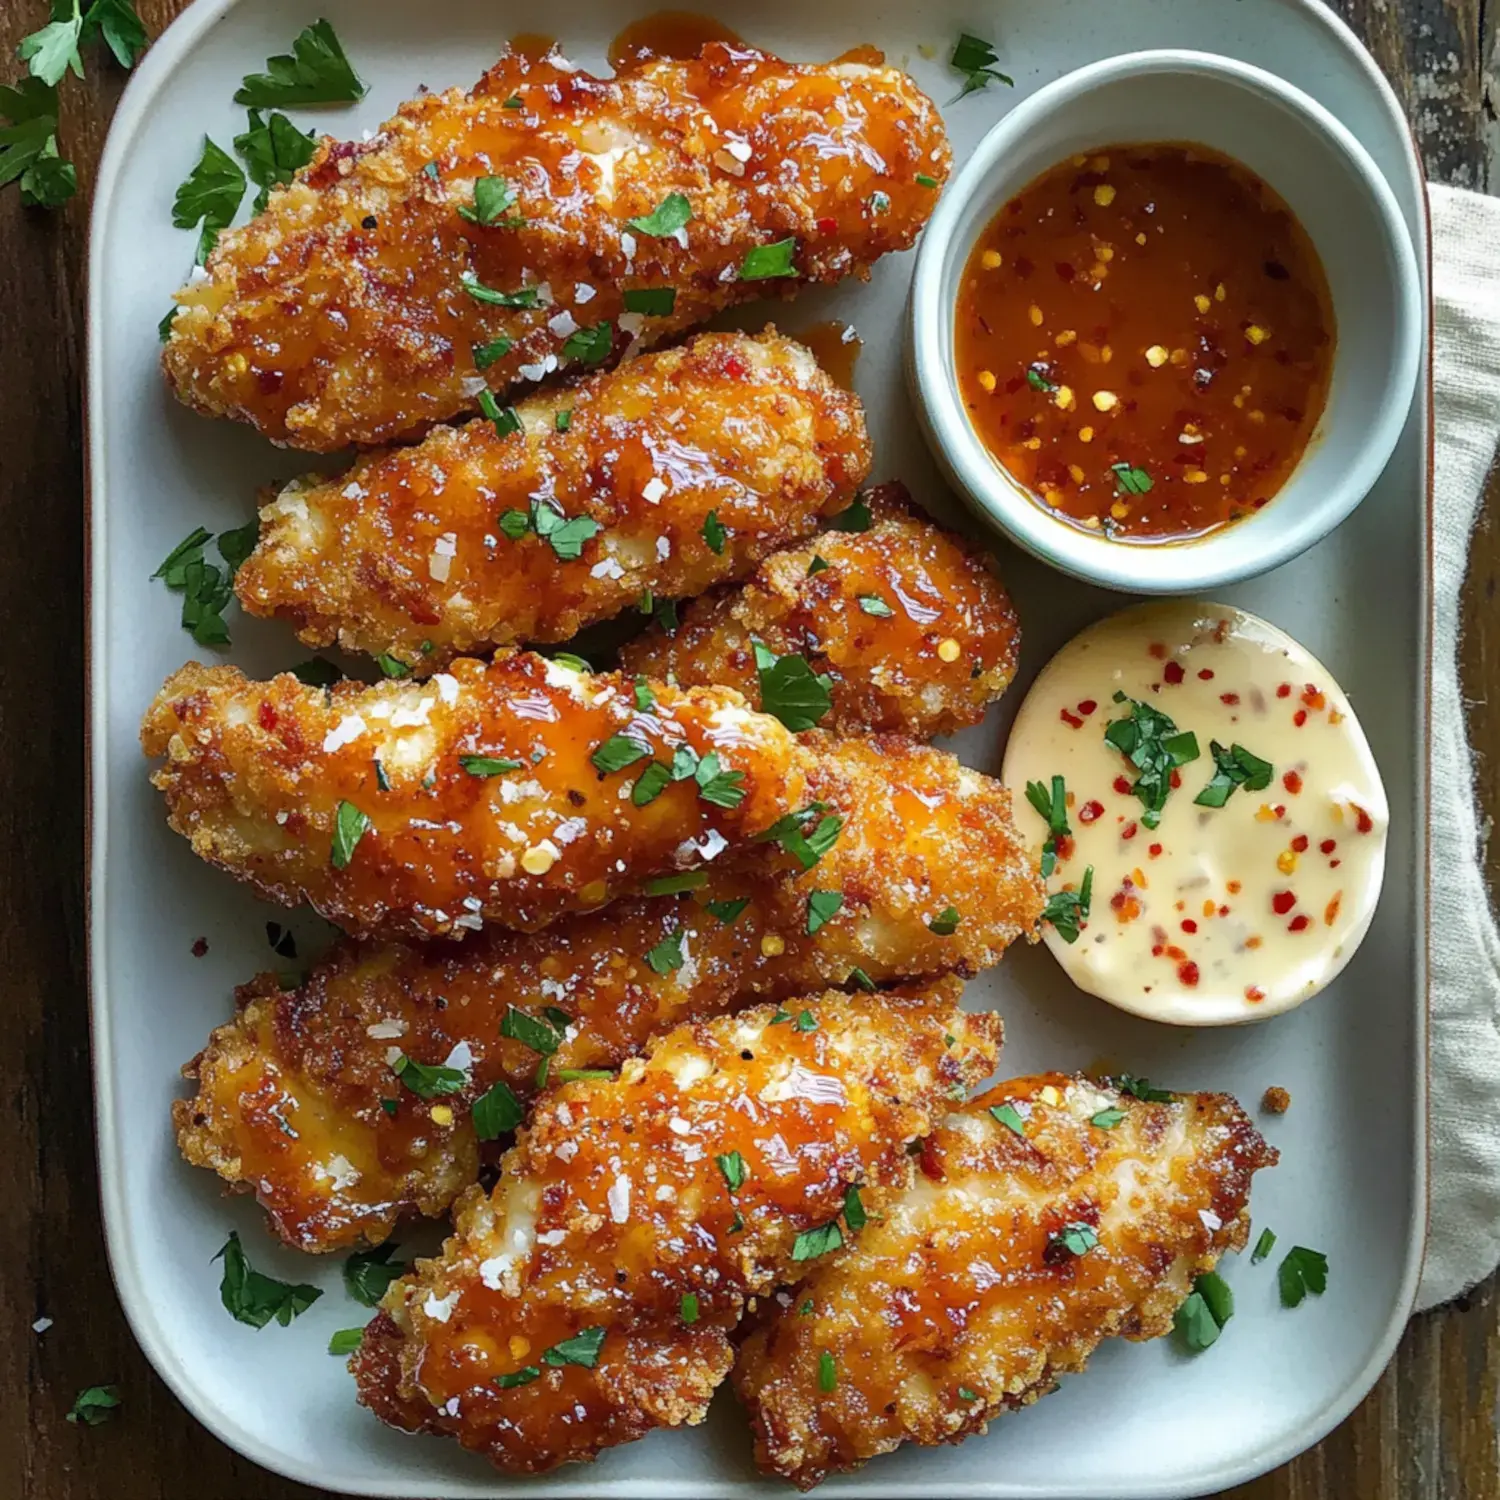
[1143,1421]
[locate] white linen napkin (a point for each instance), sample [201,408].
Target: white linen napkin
[1464,1225]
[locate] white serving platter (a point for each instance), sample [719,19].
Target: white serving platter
[1144,1421]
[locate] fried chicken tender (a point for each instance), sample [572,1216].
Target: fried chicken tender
[293,1095]
[377,294]
[684,469]
[908,621]
[493,792]
[970,1297]
[590,1297]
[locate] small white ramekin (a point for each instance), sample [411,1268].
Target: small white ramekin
[1341,199]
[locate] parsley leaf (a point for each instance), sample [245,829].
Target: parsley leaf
[728,912]
[94,1404]
[50,52]
[564,535]
[854,1210]
[506,420]
[487,354]
[206,589]
[1065,910]
[1263,1246]
[811,1243]
[873,604]
[716,786]
[530,1032]
[1234,767]
[1037,380]
[350,825]
[525,297]
[253,1298]
[806,849]
[650,784]
[563,420]
[645,698]
[689,1307]
[855,517]
[821,906]
[210,196]
[945,924]
[488,765]
[582,1349]
[1053,807]
[116,23]
[496,1111]
[667,956]
[714,533]
[591,346]
[816,566]
[1010,1117]
[617,752]
[1152,743]
[524,1376]
[732,1165]
[1071,1240]
[1208,1307]
[1140,1088]
[861,980]
[315,72]
[492,196]
[805,1021]
[666,218]
[1302,1271]
[28,145]
[273,150]
[763,262]
[652,301]
[976,59]
[1107,1119]
[790,690]
[429,1080]
[345,1340]
[1130,480]
[675,885]
[828,1373]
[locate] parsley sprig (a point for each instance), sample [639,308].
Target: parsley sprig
[1153,744]
[975,58]
[804,834]
[316,71]
[1207,1308]
[546,519]
[254,1298]
[1067,910]
[206,588]
[1234,767]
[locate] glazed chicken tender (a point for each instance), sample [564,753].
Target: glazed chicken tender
[907,622]
[507,792]
[298,1099]
[1014,1254]
[590,1297]
[547,220]
[676,472]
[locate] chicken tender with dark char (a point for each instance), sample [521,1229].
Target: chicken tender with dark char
[676,472]
[906,622]
[589,1298]
[298,1098]
[505,792]
[1049,1214]
[547,220]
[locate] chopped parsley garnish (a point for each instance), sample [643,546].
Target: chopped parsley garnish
[492,196]
[821,906]
[1208,1307]
[1234,767]
[1302,1271]
[653,301]
[945,924]
[689,1307]
[1130,480]
[965,1394]
[368,1273]
[488,765]
[806,1309]
[582,1349]
[1153,744]
[645,699]
[1066,910]
[497,1111]
[563,420]
[975,58]
[1038,381]
[1009,1117]
[716,786]
[164,328]
[1140,1088]
[1263,1246]
[816,566]
[667,956]
[1053,807]
[1072,1239]
[1107,1119]
[880,203]
[273,150]
[873,604]
[317,671]
[926,180]
[728,912]
[526,297]
[514,524]
[392,666]
[316,72]
[854,1210]
[790,690]
[859,978]
[209,197]
[253,1298]
[506,420]
[674,885]
[855,517]
[428,1080]
[530,1032]
[524,1376]
[812,1243]
[346,1340]
[390,1106]
[666,218]
[94,1404]
[591,346]
[617,752]
[714,533]
[766,261]
[828,1374]
[573,1075]
[650,784]
[732,1165]
[350,825]
[514,102]
[666,615]
[206,588]
[805,1021]
[487,354]
[806,848]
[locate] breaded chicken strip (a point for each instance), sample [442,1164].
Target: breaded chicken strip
[1050,1214]
[589,1298]
[510,792]
[297,1098]
[676,472]
[547,220]
[907,621]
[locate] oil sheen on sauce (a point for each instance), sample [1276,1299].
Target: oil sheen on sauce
[1217,914]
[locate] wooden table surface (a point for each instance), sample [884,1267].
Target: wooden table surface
[1427,1431]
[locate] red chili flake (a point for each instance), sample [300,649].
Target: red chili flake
[1292,782]
[1157,949]
[735,367]
[1188,973]
[1089,811]
[1205,674]
[266,715]
[1064,846]
[929,1161]
[200,947]
[1232,886]
[1299,923]
[1328,846]
[1300,717]
[1154,851]
[1331,911]
[1122,786]
[1284,691]
[1223,911]
[1254,992]
[828,226]
[269,381]
[1176,780]
[1312,697]
[1299,844]
[1282,902]
[1087,707]
[1189,925]
[1231,699]
[1128,831]
[1365,823]
[1333,864]
[1173,672]
[1157,650]
[1071,720]
[1280,810]
[1176,954]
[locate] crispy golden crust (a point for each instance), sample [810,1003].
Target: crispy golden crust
[962,1287]
[289,1096]
[255,774]
[886,671]
[405,554]
[614,1205]
[339,314]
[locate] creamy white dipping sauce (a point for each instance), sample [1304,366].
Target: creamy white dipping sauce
[1219,913]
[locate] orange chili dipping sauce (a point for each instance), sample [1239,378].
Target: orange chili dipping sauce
[1144,339]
